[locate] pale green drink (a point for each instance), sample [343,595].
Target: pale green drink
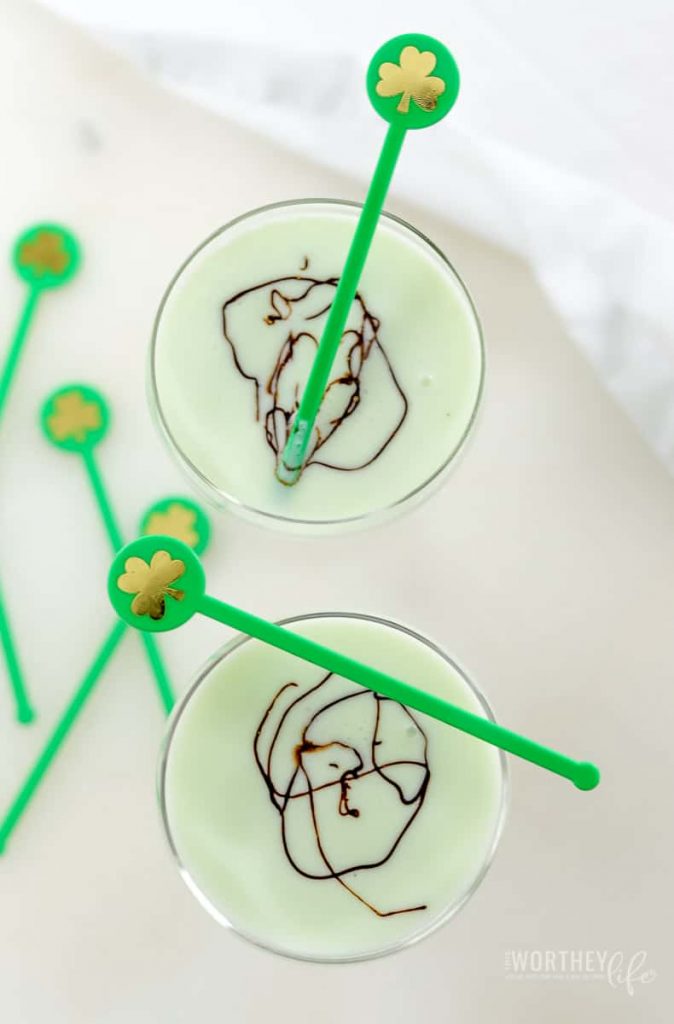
[235,339]
[318,819]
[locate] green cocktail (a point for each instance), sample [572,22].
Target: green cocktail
[318,819]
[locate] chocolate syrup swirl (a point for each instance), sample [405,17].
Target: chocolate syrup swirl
[295,309]
[327,770]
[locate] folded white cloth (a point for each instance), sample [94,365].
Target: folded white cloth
[582,195]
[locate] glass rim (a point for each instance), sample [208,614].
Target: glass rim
[219,496]
[220,916]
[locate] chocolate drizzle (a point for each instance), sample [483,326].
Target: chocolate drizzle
[295,309]
[326,773]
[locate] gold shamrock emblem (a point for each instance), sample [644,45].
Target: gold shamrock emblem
[412,78]
[44,254]
[152,583]
[176,521]
[73,417]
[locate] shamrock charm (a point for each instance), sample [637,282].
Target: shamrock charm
[44,253]
[148,568]
[151,583]
[179,518]
[46,256]
[177,521]
[412,80]
[75,418]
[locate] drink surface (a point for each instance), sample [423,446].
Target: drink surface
[321,820]
[236,338]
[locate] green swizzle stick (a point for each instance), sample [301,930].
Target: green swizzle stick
[24,710]
[59,734]
[45,257]
[412,82]
[182,518]
[75,418]
[157,583]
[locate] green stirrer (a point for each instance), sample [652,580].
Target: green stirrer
[158,583]
[24,710]
[404,91]
[183,519]
[45,256]
[75,418]
[58,736]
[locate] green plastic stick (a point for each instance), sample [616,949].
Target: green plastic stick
[17,345]
[157,583]
[102,500]
[582,774]
[187,520]
[164,688]
[405,93]
[292,460]
[45,256]
[76,418]
[153,654]
[25,712]
[58,736]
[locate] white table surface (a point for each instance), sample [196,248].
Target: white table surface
[545,565]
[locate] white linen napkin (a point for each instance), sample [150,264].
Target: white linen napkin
[555,155]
